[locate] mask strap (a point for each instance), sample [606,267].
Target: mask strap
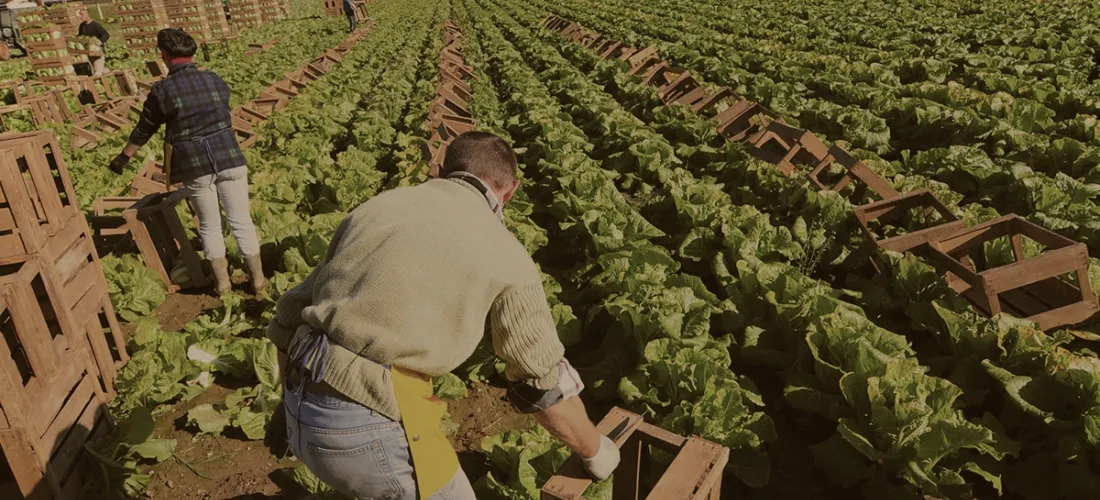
[478,184]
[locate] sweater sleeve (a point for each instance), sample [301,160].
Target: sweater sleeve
[151,118]
[524,335]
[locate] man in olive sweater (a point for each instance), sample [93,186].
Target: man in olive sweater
[409,281]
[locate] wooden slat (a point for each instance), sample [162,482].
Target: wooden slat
[61,465]
[628,473]
[86,279]
[660,438]
[914,239]
[1066,315]
[1038,268]
[1040,234]
[975,235]
[29,473]
[71,411]
[691,471]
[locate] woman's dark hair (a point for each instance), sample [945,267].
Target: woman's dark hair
[176,42]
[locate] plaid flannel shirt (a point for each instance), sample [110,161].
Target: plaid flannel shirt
[194,105]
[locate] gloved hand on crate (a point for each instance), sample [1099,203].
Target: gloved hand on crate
[119,164]
[603,463]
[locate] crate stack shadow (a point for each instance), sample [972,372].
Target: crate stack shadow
[62,346]
[1051,289]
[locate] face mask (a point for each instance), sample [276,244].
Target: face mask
[490,197]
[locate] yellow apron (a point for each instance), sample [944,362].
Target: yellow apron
[434,460]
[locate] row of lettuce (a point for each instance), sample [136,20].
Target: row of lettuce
[1005,152]
[1009,379]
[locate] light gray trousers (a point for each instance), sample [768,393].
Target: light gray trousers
[230,188]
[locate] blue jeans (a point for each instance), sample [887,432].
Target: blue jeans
[356,450]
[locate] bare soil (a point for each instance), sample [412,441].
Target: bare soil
[216,467]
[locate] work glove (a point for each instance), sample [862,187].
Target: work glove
[120,163]
[603,463]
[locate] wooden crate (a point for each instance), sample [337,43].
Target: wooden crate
[745,120]
[334,7]
[52,397]
[49,108]
[90,127]
[215,14]
[140,20]
[65,17]
[108,226]
[865,182]
[37,195]
[162,240]
[190,16]
[256,48]
[786,147]
[16,112]
[1029,287]
[695,473]
[922,200]
[244,13]
[109,86]
[271,11]
[72,264]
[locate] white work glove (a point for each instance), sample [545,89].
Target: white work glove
[604,462]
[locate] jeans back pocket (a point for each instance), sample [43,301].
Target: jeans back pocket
[364,472]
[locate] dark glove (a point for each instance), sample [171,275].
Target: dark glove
[120,163]
[275,438]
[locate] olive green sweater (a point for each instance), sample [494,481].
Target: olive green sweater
[410,278]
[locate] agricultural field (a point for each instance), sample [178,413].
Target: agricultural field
[691,281]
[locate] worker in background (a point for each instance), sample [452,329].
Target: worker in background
[90,28]
[404,293]
[349,10]
[201,152]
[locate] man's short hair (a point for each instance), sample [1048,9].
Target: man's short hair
[484,155]
[176,42]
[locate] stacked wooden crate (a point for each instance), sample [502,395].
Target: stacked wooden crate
[219,24]
[48,52]
[244,13]
[140,21]
[65,16]
[271,11]
[60,343]
[334,7]
[190,16]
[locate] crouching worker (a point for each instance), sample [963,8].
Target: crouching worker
[409,281]
[201,152]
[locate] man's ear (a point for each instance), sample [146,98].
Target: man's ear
[511,191]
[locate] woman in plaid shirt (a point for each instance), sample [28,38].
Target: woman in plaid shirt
[194,107]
